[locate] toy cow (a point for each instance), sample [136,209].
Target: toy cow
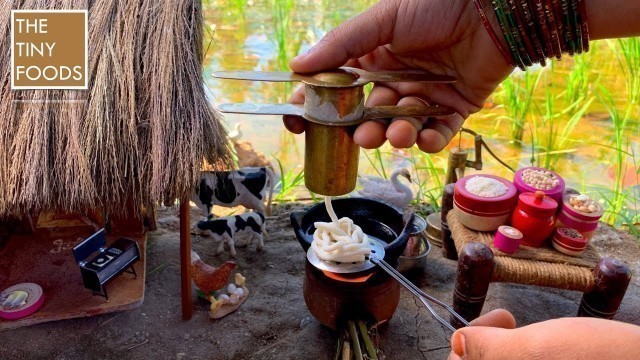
[225,229]
[247,187]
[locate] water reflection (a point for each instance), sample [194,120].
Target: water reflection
[263,35]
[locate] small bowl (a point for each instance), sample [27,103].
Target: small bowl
[434,229]
[417,262]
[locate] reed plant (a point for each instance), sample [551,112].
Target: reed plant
[628,57]
[429,171]
[290,180]
[375,159]
[615,202]
[516,95]
[577,87]
[561,113]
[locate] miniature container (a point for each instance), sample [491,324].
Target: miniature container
[482,213]
[569,241]
[507,239]
[585,222]
[555,192]
[534,217]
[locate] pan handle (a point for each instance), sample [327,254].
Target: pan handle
[394,249]
[296,222]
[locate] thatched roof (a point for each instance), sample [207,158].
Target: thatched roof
[139,133]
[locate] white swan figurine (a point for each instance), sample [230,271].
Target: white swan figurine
[236,133]
[391,192]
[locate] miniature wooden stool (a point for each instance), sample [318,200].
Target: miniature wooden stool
[604,281]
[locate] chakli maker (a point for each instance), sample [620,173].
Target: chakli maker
[334,103]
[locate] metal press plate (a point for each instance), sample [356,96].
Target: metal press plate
[376,112]
[377,251]
[262,109]
[342,77]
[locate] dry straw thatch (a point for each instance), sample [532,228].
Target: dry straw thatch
[141,131]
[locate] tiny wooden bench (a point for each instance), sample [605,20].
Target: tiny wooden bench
[604,281]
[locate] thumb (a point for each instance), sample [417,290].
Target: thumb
[352,39]
[486,334]
[479,342]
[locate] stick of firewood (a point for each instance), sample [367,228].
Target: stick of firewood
[346,350]
[371,350]
[354,340]
[338,349]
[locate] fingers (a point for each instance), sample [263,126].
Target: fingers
[353,39]
[295,124]
[403,132]
[500,318]
[437,133]
[371,134]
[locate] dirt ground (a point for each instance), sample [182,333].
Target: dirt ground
[274,322]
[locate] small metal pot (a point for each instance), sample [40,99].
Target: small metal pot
[416,262]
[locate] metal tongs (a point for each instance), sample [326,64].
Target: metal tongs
[419,294]
[377,258]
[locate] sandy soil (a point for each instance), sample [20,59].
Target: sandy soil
[274,322]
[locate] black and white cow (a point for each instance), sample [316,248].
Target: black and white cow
[247,187]
[225,229]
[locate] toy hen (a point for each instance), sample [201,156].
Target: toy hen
[208,278]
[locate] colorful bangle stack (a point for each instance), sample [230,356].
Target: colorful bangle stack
[535,30]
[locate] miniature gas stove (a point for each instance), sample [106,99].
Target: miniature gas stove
[100,264]
[334,101]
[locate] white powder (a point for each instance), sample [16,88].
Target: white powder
[485,187]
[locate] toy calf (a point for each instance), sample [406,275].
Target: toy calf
[225,228]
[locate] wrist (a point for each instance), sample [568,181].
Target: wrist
[490,22]
[613,18]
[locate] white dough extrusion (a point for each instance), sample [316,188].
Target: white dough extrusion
[340,240]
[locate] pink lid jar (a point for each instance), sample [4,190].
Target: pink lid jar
[534,217]
[532,179]
[585,220]
[488,212]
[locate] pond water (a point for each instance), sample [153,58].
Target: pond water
[263,35]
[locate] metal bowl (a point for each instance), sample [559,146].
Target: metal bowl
[419,261]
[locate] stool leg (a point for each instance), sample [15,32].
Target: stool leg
[612,278]
[448,246]
[475,267]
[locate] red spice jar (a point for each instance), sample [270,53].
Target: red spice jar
[534,217]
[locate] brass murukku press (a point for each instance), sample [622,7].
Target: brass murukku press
[334,103]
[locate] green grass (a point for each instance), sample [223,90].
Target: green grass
[559,118]
[517,97]
[374,157]
[617,200]
[577,87]
[290,180]
[629,59]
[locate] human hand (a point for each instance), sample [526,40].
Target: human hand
[493,336]
[440,36]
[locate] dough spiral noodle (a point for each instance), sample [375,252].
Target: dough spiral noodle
[340,240]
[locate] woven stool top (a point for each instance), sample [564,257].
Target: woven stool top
[532,266]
